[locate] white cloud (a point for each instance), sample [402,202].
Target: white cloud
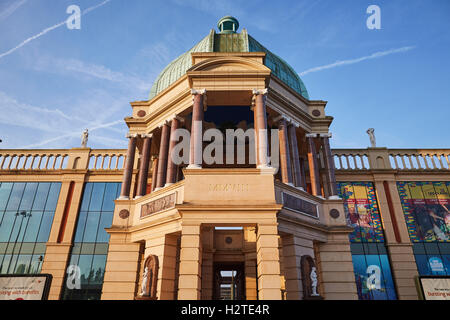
[357,60]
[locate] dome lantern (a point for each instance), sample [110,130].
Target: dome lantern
[228,24]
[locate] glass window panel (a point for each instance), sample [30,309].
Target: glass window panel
[80,226]
[418,248]
[53,196]
[28,196]
[101,248]
[386,269]
[85,263]
[4,263]
[98,191]
[12,263]
[36,264]
[46,225]
[23,230]
[87,248]
[6,226]
[76,249]
[422,265]
[26,248]
[446,261]
[105,222]
[86,196]
[119,186]
[16,196]
[5,191]
[98,268]
[110,196]
[17,228]
[444,248]
[431,248]
[3,246]
[22,264]
[359,268]
[41,196]
[39,248]
[34,223]
[375,281]
[90,233]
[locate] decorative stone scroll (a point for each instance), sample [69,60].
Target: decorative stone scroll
[300,205]
[158,205]
[310,279]
[149,279]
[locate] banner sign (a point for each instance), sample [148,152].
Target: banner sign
[25,287]
[435,288]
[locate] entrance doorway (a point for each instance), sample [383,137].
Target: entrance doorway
[229,281]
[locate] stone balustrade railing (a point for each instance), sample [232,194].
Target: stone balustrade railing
[397,159]
[62,159]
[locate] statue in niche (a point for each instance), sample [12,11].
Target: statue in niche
[84,138]
[371,133]
[309,279]
[149,279]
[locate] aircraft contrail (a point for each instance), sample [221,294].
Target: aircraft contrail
[50,29]
[353,61]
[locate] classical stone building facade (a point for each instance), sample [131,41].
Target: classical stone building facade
[134,224]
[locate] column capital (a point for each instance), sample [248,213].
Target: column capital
[146,135]
[198,91]
[260,91]
[325,135]
[164,123]
[311,135]
[131,135]
[281,117]
[174,116]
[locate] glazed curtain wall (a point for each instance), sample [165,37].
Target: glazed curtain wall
[26,217]
[426,206]
[370,260]
[88,256]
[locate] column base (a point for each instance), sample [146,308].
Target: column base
[156,189]
[194,166]
[263,166]
[168,184]
[137,197]
[123,198]
[300,188]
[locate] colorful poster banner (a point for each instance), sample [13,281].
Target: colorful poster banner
[426,206]
[361,209]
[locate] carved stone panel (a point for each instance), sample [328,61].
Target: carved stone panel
[158,205]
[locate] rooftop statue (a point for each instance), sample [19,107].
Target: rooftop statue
[371,133]
[84,138]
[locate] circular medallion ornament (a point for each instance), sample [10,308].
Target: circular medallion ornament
[228,240]
[334,213]
[141,113]
[124,213]
[316,113]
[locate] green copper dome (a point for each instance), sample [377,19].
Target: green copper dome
[228,40]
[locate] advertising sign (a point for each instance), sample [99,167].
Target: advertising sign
[435,288]
[24,287]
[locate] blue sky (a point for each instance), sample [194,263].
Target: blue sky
[56,84]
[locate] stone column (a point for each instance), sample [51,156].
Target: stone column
[329,166]
[268,263]
[293,144]
[190,279]
[154,171]
[128,170]
[162,162]
[196,146]
[172,166]
[285,155]
[313,165]
[260,124]
[303,172]
[143,170]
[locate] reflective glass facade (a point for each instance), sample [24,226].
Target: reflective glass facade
[370,260]
[26,216]
[91,240]
[426,206]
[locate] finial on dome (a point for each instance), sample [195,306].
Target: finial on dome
[228,24]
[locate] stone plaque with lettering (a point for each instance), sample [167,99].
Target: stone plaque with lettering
[300,205]
[158,205]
